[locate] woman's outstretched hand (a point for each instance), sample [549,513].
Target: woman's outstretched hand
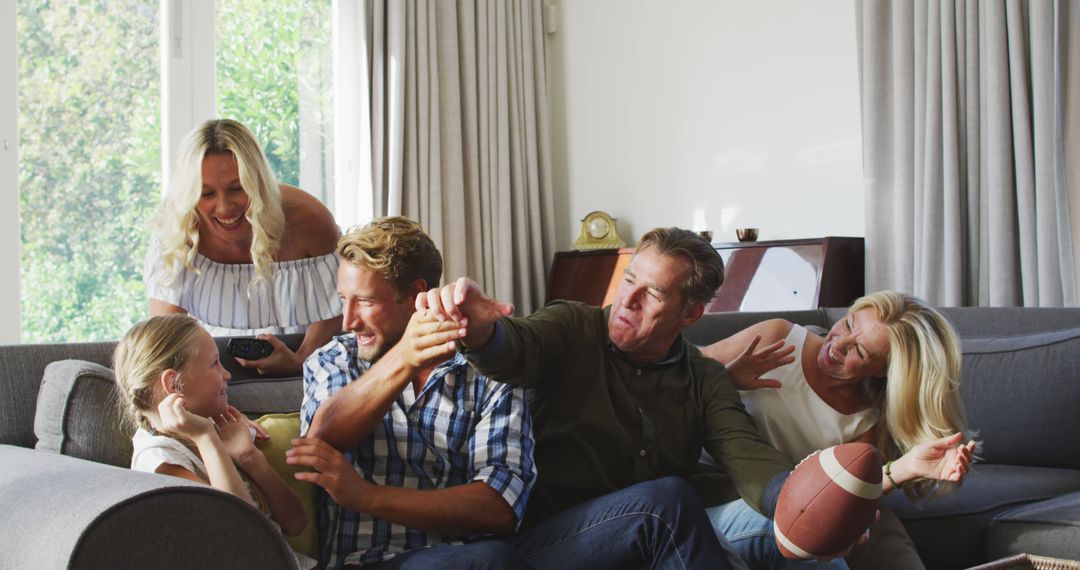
[944,459]
[747,368]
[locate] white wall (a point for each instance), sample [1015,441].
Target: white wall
[10,321]
[707,114]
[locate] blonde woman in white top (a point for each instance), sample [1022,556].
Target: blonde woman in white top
[241,253]
[888,373]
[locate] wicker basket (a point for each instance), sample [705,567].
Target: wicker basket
[1030,562]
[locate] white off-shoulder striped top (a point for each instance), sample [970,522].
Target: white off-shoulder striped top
[299,293]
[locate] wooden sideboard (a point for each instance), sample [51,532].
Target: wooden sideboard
[758,276]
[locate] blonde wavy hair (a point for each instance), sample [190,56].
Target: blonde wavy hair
[920,397]
[147,350]
[176,222]
[397,248]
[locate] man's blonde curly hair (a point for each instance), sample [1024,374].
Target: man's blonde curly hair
[397,248]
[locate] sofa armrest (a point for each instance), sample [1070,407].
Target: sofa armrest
[63,512]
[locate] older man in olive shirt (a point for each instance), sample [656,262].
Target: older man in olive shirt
[620,398]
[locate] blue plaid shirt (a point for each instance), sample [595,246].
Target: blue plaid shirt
[461,428]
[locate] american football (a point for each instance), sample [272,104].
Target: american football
[828,501]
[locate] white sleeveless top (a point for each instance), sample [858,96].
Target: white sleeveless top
[793,418]
[298,293]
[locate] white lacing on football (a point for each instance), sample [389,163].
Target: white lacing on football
[845,479]
[791,546]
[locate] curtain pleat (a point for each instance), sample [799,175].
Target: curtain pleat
[967,202]
[460,136]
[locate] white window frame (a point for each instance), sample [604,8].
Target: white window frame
[10,245]
[353,198]
[188,73]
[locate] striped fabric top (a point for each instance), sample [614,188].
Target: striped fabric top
[297,294]
[461,428]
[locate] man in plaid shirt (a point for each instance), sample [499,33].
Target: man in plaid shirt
[420,457]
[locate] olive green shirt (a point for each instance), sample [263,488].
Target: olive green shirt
[603,423]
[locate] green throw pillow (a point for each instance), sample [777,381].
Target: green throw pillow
[283,428]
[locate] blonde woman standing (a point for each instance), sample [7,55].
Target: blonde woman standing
[888,373]
[241,253]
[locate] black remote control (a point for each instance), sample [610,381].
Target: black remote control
[249,348]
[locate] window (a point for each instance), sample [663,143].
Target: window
[90,121]
[274,67]
[89,163]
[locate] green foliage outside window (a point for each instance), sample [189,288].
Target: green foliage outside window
[273,64]
[89,163]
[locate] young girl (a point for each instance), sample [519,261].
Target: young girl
[172,387]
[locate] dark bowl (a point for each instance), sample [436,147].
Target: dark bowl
[746,234]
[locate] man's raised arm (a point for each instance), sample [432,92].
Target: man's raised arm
[347,411]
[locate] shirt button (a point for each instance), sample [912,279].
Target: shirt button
[639,372]
[643,453]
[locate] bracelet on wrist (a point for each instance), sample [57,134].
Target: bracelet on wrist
[888,474]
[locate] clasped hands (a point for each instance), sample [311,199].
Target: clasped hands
[464,302]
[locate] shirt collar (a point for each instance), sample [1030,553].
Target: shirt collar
[674,355]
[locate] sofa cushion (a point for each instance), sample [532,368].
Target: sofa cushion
[1020,394]
[21,369]
[282,429]
[78,414]
[256,397]
[1046,528]
[712,327]
[950,531]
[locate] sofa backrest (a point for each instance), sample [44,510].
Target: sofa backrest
[1020,383]
[1021,394]
[980,322]
[22,368]
[716,326]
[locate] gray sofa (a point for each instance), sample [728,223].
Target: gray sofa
[71,502]
[69,499]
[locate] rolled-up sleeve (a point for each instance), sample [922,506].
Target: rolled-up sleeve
[326,371]
[501,446]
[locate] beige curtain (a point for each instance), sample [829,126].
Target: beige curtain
[962,109]
[459,135]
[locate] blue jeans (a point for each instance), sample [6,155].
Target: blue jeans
[656,524]
[482,555]
[751,535]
